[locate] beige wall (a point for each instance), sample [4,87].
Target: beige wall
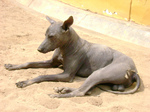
[140,11]
[134,10]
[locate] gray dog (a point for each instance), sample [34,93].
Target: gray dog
[101,64]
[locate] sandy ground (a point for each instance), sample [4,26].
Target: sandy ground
[21,32]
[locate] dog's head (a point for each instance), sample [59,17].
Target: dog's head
[56,35]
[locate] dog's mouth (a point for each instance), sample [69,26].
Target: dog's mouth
[45,51]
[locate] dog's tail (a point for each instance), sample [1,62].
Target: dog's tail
[135,78]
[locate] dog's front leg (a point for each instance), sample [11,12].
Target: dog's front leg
[41,64]
[63,77]
[70,70]
[54,62]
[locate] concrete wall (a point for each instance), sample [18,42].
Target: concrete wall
[127,31]
[140,11]
[137,11]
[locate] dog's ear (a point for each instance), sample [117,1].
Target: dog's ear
[67,23]
[50,20]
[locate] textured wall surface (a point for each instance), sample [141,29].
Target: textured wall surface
[137,11]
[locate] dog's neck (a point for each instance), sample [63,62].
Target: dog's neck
[73,45]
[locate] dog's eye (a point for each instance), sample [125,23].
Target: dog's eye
[50,36]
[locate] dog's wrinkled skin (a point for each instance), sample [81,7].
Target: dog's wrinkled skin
[99,63]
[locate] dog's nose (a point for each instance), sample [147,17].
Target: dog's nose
[39,49]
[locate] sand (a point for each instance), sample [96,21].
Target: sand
[21,32]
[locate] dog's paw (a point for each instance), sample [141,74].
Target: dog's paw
[9,66]
[62,90]
[21,84]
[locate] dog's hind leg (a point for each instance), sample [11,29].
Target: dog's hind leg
[108,74]
[64,90]
[90,82]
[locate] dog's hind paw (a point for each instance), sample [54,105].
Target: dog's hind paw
[63,90]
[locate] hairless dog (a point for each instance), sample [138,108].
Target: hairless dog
[99,63]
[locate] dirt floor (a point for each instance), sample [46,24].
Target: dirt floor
[21,32]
